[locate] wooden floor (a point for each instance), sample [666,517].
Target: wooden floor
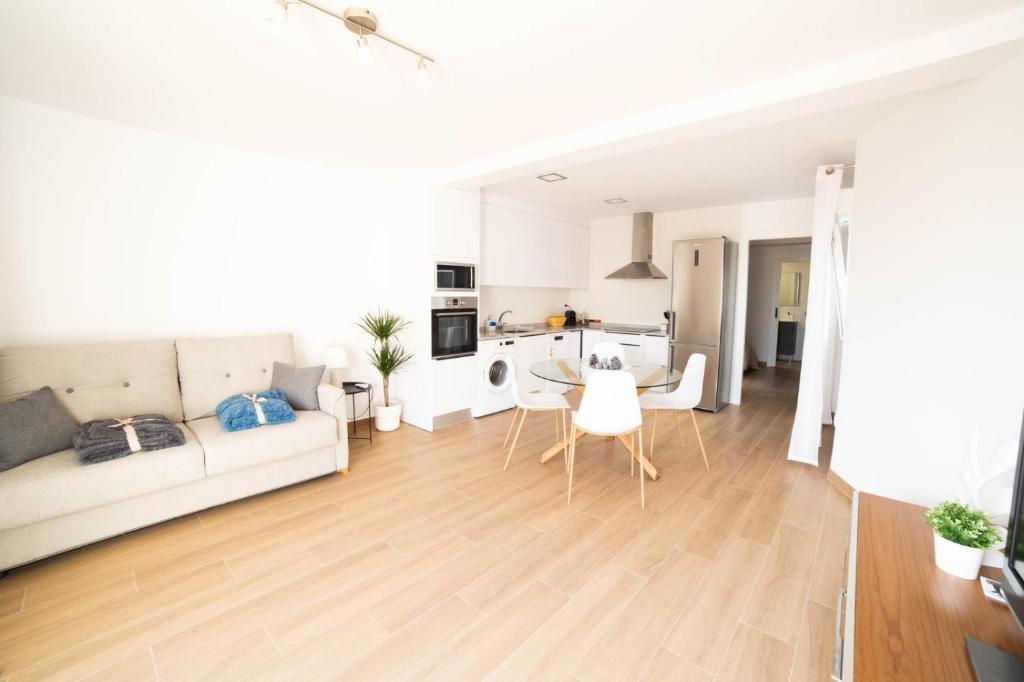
[429,561]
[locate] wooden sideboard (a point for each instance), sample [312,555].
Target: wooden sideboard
[907,617]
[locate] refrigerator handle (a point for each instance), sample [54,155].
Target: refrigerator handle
[776,312]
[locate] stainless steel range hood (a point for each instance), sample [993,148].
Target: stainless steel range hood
[641,266]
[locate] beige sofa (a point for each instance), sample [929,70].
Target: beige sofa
[53,504]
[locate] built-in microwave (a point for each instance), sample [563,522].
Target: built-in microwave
[454,277]
[453,327]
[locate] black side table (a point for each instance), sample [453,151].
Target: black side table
[354,388]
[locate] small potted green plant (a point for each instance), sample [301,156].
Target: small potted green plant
[962,535]
[388,356]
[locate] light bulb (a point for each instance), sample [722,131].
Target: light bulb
[279,13]
[363,50]
[422,73]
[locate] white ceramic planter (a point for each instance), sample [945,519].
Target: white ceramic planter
[387,418]
[963,562]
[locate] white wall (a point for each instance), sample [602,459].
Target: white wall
[935,308]
[762,296]
[643,301]
[111,232]
[528,304]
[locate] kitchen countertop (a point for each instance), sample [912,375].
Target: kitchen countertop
[535,328]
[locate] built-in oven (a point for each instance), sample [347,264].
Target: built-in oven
[454,277]
[453,326]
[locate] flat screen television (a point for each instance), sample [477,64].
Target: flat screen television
[1013,566]
[991,664]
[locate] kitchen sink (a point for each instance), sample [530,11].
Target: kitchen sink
[518,330]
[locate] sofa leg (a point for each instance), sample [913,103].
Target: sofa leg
[3,574]
[343,472]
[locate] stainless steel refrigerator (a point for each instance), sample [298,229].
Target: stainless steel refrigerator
[702,310]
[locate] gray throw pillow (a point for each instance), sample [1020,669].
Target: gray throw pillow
[34,426]
[299,384]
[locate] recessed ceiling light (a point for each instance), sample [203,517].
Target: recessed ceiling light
[615,200]
[551,177]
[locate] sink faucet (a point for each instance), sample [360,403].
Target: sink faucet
[500,324]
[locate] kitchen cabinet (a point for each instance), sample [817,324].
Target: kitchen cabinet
[563,346]
[590,337]
[632,346]
[454,384]
[530,350]
[656,350]
[522,249]
[455,224]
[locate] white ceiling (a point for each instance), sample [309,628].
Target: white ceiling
[755,164]
[507,74]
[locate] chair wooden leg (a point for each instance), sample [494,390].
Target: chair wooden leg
[679,427]
[700,440]
[565,441]
[632,452]
[516,439]
[643,475]
[654,429]
[515,415]
[572,461]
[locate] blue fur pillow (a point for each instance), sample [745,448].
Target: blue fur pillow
[239,412]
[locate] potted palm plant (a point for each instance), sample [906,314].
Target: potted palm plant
[388,356]
[962,535]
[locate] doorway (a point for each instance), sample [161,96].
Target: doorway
[791,310]
[777,290]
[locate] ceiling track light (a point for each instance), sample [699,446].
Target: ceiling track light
[363,23]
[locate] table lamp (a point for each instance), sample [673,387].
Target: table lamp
[336,359]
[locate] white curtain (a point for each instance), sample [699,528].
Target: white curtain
[814,402]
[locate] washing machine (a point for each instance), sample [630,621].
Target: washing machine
[494,376]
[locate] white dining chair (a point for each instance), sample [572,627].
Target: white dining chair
[538,402]
[685,397]
[609,407]
[608,349]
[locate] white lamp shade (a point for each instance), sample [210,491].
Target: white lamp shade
[335,357]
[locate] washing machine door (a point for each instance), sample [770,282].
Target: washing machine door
[498,373]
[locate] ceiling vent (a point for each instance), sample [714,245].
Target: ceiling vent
[551,177]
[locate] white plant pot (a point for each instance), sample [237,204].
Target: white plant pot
[387,418]
[963,562]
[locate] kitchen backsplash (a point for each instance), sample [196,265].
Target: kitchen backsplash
[528,304]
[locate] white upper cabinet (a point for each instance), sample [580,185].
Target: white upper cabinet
[455,224]
[521,249]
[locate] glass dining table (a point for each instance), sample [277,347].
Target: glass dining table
[576,371]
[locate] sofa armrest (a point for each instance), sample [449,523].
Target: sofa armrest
[331,401]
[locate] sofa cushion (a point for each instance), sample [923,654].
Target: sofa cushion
[97,380]
[32,427]
[57,484]
[213,369]
[234,450]
[299,384]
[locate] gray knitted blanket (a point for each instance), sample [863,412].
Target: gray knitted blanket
[104,439]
